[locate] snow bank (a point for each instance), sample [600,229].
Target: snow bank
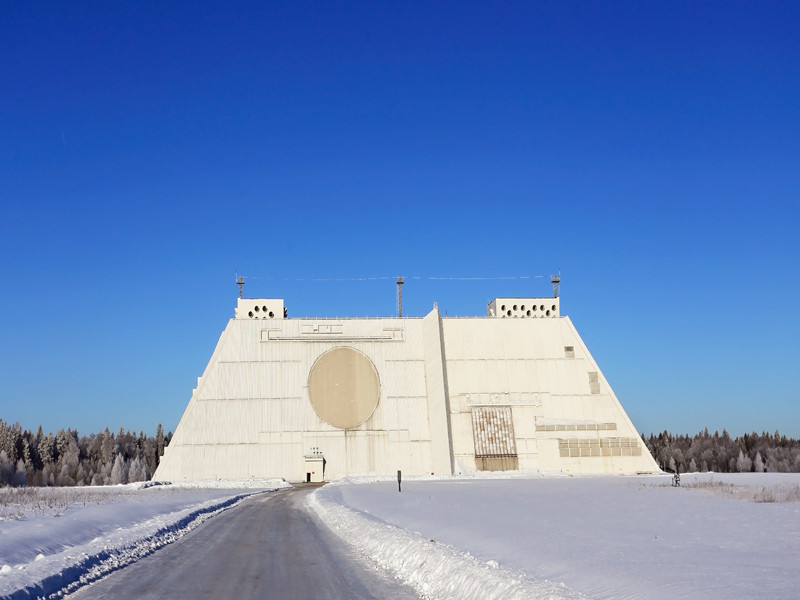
[719,536]
[226,484]
[45,555]
[432,568]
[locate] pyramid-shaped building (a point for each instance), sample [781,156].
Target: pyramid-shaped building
[311,399]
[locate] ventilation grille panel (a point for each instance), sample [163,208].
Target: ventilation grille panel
[594,382]
[494,431]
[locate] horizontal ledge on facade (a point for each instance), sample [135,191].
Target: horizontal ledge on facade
[330,337]
[496,456]
[238,362]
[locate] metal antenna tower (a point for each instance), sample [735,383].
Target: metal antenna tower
[240,283]
[555,280]
[400,282]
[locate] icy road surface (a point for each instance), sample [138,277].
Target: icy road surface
[267,547]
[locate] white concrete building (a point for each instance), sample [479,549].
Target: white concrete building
[307,399]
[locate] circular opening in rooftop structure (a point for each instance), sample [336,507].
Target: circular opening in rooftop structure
[509,313]
[271,314]
[548,313]
[528,313]
[264,308]
[343,387]
[251,314]
[554,307]
[256,309]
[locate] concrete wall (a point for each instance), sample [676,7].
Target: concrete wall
[251,414]
[400,393]
[542,372]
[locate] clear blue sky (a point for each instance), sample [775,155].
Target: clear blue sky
[649,150]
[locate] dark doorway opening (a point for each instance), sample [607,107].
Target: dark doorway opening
[308,477]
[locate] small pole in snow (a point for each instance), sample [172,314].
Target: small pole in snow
[399,479]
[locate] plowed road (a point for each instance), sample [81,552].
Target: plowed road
[268,547]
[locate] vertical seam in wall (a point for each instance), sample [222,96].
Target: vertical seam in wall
[446,386]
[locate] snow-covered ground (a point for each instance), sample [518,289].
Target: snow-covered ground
[57,539]
[717,536]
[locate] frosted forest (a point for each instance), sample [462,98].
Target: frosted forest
[70,459]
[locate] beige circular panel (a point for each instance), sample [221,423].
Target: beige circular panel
[343,387]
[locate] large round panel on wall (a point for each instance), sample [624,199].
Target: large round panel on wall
[343,387]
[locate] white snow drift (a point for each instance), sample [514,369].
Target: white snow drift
[718,536]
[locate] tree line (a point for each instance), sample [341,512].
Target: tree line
[751,452]
[68,459]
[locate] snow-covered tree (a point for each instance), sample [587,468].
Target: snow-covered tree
[743,463]
[119,472]
[8,441]
[68,462]
[6,469]
[47,449]
[21,476]
[107,447]
[137,472]
[759,463]
[63,439]
[776,461]
[159,443]
[48,477]
[82,477]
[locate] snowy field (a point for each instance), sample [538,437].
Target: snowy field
[717,536]
[54,539]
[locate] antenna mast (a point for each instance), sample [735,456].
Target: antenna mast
[555,280]
[400,282]
[240,283]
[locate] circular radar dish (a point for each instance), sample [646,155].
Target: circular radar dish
[343,387]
